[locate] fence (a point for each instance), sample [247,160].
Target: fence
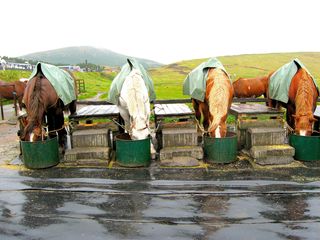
[81,86]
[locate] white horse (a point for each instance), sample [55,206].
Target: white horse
[134,107]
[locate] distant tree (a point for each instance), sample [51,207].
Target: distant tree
[91,67]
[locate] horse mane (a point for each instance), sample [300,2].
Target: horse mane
[217,96]
[136,104]
[34,105]
[304,97]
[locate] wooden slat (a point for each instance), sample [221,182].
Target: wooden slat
[179,110]
[172,109]
[96,111]
[317,112]
[253,109]
[172,101]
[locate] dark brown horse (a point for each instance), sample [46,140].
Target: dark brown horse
[7,90]
[214,109]
[43,106]
[250,87]
[303,96]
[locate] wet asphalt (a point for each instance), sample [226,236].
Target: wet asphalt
[160,203]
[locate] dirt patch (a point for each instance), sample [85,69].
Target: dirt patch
[9,141]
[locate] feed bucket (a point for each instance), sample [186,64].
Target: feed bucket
[307,148]
[40,154]
[132,153]
[220,150]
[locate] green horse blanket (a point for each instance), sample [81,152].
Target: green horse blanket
[116,85]
[280,80]
[195,83]
[61,81]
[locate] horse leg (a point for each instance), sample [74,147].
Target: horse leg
[265,95]
[55,126]
[62,133]
[124,119]
[206,115]
[290,111]
[198,110]
[73,107]
[19,103]
[121,123]
[152,150]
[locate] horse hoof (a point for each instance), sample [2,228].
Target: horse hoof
[153,156]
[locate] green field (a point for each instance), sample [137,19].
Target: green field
[168,79]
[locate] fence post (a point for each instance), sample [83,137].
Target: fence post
[15,102]
[1,106]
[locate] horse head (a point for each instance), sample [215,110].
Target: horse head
[218,130]
[31,132]
[139,128]
[304,124]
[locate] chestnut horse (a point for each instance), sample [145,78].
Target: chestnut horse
[214,109]
[250,87]
[303,96]
[8,88]
[43,106]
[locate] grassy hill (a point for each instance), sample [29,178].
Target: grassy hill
[75,55]
[168,79]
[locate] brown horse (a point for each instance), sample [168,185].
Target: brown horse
[44,106]
[214,109]
[303,96]
[7,90]
[250,87]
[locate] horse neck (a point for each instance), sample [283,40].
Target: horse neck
[305,98]
[218,92]
[265,81]
[19,87]
[218,99]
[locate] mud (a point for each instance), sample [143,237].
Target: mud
[240,200]
[9,141]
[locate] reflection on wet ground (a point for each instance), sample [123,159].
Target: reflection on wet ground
[159,204]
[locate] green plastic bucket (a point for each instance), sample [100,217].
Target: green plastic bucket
[307,148]
[220,150]
[132,153]
[40,154]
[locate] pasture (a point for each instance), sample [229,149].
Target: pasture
[168,79]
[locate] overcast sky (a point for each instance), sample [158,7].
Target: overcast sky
[162,30]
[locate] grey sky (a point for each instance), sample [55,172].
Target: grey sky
[162,30]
